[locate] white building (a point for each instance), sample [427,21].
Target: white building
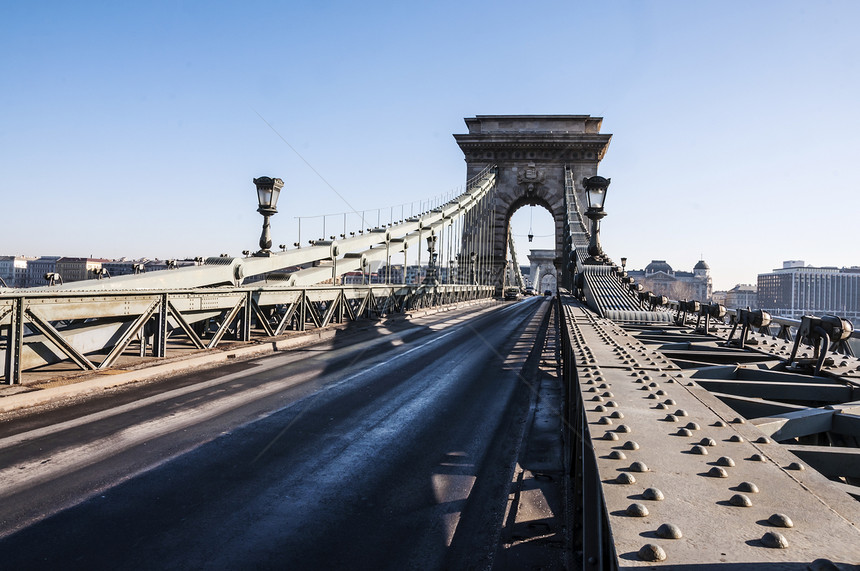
[796,290]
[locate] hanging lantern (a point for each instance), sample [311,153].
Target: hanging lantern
[531,215]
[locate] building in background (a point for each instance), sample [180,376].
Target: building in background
[742,296]
[36,270]
[659,278]
[796,290]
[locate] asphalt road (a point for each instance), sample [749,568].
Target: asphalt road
[392,449]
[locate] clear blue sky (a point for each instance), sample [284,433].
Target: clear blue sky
[134,129]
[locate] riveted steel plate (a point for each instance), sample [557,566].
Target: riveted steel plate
[671,420]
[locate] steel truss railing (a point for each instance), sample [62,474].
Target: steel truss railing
[45,327]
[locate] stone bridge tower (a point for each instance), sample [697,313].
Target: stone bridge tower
[542,264]
[531,152]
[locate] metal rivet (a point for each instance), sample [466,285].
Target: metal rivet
[796,466]
[717,472]
[653,385]
[780,520]
[631,445]
[589,382]
[748,487]
[739,420]
[604,420]
[623,428]
[591,390]
[610,436]
[757,458]
[653,494]
[692,426]
[616,414]
[763,440]
[699,450]
[639,381]
[720,424]
[662,406]
[670,418]
[612,404]
[637,510]
[638,467]
[725,461]
[661,392]
[603,386]
[741,501]
[651,396]
[644,388]
[708,442]
[669,401]
[774,540]
[608,395]
[600,408]
[668,380]
[652,552]
[681,412]
[625,478]
[617,455]
[690,384]
[669,531]
[736,438]
[684,432]
[646,378]
[597,398]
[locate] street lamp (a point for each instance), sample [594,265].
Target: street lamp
[268,190]
[473,258]
[431,264]
[595,192]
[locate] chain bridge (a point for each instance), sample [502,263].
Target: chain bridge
[260,411]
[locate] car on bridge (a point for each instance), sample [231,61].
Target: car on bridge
[512,293]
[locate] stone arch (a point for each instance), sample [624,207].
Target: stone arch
[508,210]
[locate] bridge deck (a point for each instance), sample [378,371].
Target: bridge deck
[651,426]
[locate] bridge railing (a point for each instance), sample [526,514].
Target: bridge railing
[591,534]
[92,329]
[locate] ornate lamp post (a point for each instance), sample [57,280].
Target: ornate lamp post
[268,190]
[595,191]
[473,259]
[431,263]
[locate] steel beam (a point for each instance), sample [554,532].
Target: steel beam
[796,424]
[832,461]
[58,340]
[797,391]
[756,407]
